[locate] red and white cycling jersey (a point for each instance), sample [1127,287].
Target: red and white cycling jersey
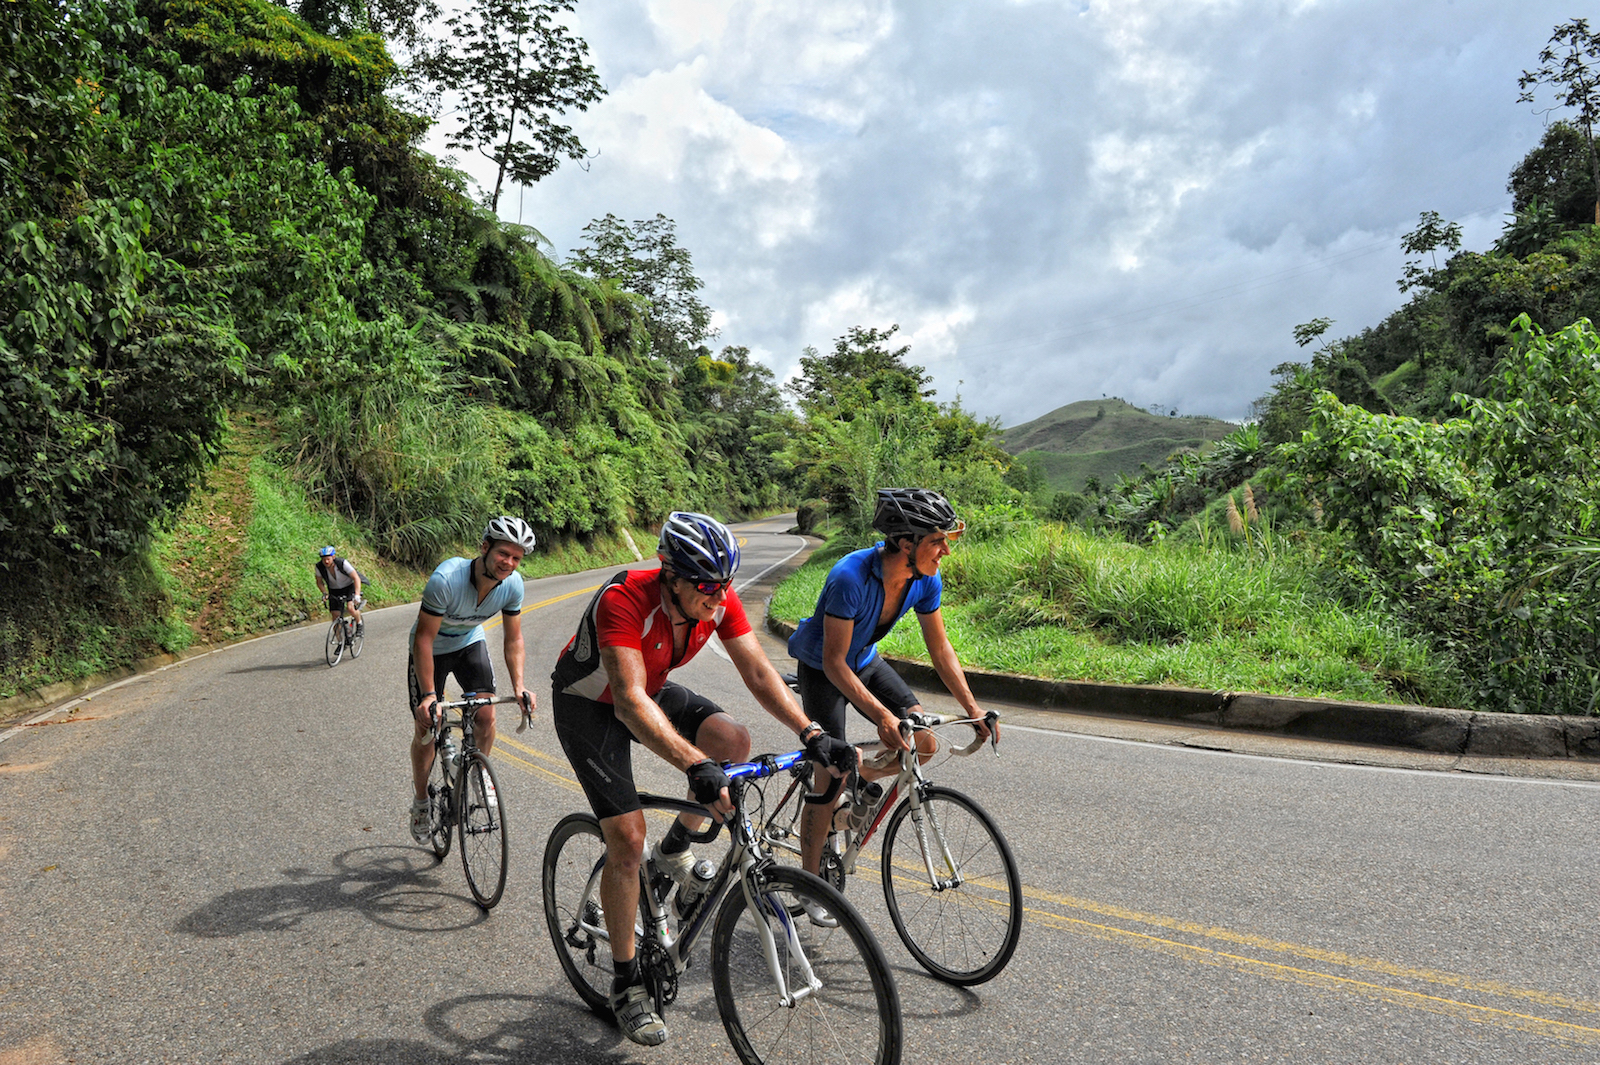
[627,612]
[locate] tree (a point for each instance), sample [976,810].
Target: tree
[646,259]
[1431,234]
[515,68]
[1564,65]
[1556,174]
[860,370]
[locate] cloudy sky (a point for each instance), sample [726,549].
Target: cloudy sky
[1054,200]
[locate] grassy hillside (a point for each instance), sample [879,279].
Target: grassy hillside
[236,561]
[1103,438]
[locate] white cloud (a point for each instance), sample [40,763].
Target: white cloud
[1053,199]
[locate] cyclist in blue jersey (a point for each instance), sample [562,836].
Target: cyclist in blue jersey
[448,638]
[865,594]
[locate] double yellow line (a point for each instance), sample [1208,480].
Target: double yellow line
[1211,945]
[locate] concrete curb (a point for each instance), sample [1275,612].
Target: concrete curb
[1418,728]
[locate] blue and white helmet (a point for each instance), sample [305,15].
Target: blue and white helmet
[698,547]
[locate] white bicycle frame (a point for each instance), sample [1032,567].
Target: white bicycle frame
[744,852]
[911,781]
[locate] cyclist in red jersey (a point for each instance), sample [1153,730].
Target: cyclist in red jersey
[611,691]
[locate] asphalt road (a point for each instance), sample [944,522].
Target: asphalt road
[211,864]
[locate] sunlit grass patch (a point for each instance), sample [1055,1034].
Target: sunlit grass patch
[1061,603]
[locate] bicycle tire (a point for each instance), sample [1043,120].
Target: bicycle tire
[966,934]
[485,849]
[853,1018]
[357,638]
[334,649]
[570,879]
[441,807]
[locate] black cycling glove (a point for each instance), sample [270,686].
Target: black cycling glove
[706,780]
[830,752]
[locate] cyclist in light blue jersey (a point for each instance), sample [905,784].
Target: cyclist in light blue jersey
[448,638]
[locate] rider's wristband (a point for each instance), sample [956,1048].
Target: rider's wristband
[424,695]
[805,733]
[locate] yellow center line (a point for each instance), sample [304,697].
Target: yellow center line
[1330,957]
[1310,978]
[1544,1026]
[1277,970]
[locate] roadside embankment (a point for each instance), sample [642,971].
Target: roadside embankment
[1433,729]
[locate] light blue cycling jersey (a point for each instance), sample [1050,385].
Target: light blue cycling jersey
[449,595]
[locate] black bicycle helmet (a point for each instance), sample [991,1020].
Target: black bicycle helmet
[698,547]
[511,530]
[913,512]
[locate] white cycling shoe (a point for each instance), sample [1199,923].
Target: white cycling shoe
[819,914]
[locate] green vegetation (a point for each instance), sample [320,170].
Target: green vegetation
[1067,603]
[1102,439]
[242,314]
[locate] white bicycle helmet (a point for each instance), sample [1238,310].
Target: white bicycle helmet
[511,530]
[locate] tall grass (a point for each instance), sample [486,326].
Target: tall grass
[1059,602]
[412,465]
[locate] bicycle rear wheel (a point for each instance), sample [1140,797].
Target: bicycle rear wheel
[573,858]
[850,1015]
[356,640]
[967,932]
[334,650]
[485,850]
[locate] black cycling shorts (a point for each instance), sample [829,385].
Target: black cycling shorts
[337,599]
[826,704]
[600,746]
[470,665]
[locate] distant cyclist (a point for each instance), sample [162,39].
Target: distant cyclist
[448,638]
[338,580]
[611,691]
[865,594]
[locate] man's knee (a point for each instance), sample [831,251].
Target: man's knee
[723,738]
[624,841]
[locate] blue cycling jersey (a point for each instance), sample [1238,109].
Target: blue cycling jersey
[854,590]
[449,595]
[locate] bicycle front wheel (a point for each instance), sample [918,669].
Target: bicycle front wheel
[965,928]
[335,645]
[484,848]
[573,858]
[441,806]
[356,640]
[842,1006]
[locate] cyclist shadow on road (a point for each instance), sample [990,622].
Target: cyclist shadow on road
[308,666]
[397,887]
[493,1028]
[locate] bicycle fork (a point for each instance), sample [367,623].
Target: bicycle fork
[767,909]
[918,814]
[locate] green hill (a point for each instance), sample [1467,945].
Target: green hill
[1104,438]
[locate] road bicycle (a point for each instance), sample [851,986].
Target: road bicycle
[465,800]
[788,992]
[344,634]
[949,876]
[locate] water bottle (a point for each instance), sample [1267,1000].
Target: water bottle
[451,755]
[689,892]
[866,800]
